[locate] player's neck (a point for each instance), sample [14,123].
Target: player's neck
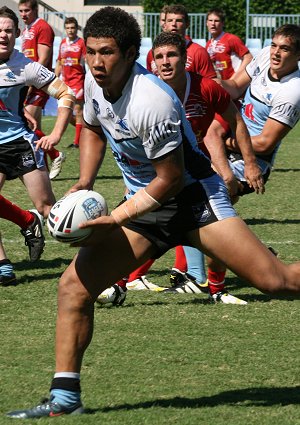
[179,85]
[113,93]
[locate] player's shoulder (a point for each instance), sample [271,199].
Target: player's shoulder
[18,59]
[150,82]
[195,47]
[149,90]
[80,40]
[41,23]
[290,87]
[229,36]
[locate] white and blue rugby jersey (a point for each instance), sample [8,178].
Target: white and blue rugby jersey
[268,98]
[15,75]
[145,123]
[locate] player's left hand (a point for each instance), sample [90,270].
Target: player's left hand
[47,142]
[101,227]
[254,177]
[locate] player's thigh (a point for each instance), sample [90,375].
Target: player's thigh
[234,244]
[100,266]
[2,180]
[39,188]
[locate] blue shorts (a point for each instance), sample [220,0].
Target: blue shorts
[198,205]
[237,166]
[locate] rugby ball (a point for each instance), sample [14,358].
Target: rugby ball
[71,210]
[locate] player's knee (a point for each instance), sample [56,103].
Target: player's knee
[275,284]
[72,295]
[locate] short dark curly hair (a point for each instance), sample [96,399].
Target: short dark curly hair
[113,22]
[170,39]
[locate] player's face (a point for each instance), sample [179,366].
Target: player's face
[214,25]
[110,68]
[170,64]
[28,15]
[175,23]
[283,57]
[71,31]
[162,20]
[8,34]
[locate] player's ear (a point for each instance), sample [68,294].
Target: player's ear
[131,54]
[18,32]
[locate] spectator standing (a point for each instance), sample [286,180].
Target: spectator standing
[70,67]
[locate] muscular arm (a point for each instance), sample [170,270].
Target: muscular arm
[168,182]
[214,141]
[237,86]
[44,52]
[57,68]
[66,100]
[265,142]
[253,174]
[92,152]
[169,179]
[247,58]
[272,133]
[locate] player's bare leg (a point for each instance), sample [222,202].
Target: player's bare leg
[93,270]
[39,189]
[232,242]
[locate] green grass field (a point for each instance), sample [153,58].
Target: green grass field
[161,358]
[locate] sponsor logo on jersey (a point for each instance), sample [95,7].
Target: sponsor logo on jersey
[189,62]
[216,48]
[96,106]
[69,61]
[124,127]
[29,53]
[287,111]
[123,159]
[44,73]
[194,107]
[10,77]
[201,212]
[269,96]
[110,113]
[249,111]
[162,132]
[256,72]
[263,82]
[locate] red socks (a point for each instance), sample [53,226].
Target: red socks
[216,281]
[180,260]
[122,283]
[11,212]
[140,271]
[78,128]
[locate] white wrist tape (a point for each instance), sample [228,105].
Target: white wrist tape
[139,204]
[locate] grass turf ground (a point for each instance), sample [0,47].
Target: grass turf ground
[161,358]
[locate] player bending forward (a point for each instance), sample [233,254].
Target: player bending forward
[174,198]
